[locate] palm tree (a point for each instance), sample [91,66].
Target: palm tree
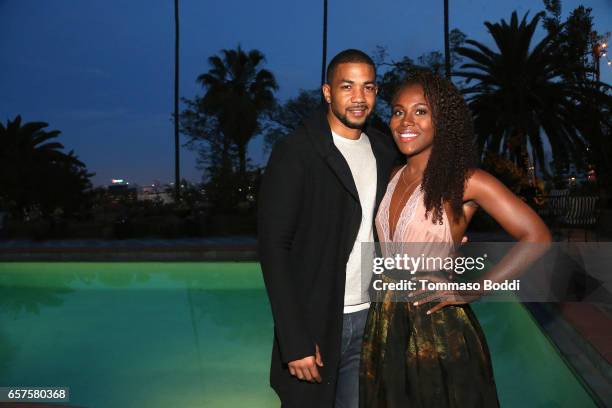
[29,159]
[177,169]
[519,99]
[238,92]
[324,63]
[447,57]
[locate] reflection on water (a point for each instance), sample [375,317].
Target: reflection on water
[528,370]
[25,292]
[18,299]
[7,352]
[240,316]
[158,335]
[29,290]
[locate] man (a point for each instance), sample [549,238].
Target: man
[317,201]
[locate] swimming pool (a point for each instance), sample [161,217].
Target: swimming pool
[200,335]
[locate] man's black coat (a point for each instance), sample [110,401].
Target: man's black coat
[308,218]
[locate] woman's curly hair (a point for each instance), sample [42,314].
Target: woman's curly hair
[453,153]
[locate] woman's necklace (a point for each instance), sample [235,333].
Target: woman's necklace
[400,205]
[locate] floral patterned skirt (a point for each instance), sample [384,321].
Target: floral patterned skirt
[411,359]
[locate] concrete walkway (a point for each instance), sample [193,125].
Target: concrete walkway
[238,248]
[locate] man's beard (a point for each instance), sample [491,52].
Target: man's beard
[346,122]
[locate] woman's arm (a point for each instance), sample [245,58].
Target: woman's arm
[516,218]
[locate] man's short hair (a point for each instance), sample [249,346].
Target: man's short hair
[350,55]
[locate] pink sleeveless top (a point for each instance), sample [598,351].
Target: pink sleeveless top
[415,234]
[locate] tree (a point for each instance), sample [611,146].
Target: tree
[573,40]
[447,57]
[457,39]
[238,92]
[576,52]
[65,187]
[35,175]
[391,73]
[519,98]
[216,153]
[436,62]
[324,60]
[177,168]
[288,116]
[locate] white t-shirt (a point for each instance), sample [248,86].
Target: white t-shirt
[360,158]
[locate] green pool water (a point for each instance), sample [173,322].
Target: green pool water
[151,335]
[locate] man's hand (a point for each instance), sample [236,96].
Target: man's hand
[306,368]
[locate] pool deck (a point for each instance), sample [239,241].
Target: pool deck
[239,248]
[33,405]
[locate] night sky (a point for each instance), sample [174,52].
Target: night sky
[101,71]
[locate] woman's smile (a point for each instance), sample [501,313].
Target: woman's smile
[406,135]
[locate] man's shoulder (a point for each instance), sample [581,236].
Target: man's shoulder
[384,141]
[371,130]
[379,135]
[294,142]
[299,139]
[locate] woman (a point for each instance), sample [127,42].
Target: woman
[432,352]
